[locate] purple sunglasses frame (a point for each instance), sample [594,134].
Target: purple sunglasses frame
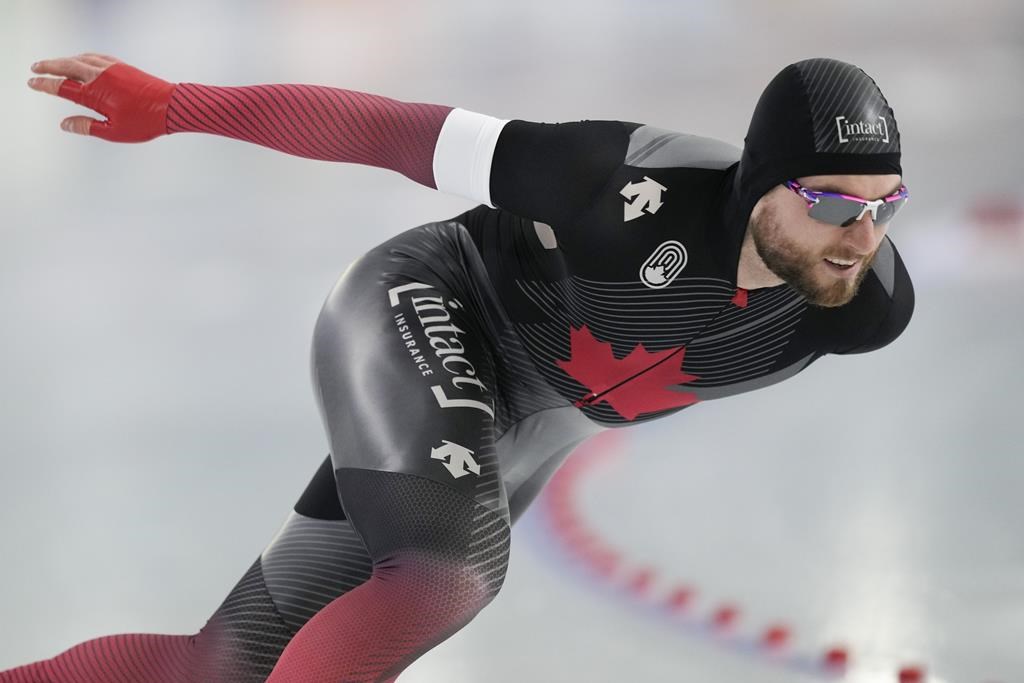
[812,197]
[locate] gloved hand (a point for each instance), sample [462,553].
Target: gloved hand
[133,101]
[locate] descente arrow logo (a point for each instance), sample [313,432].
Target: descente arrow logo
[647,193]
[458,459]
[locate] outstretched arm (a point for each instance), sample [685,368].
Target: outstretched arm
[544,171]
[316,122]
[312,121]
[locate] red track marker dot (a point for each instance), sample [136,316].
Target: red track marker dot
[911,674]
[605,562]
[837,657]
[680,598]
[775,636]
[580,539]
[725,616]
[641,580]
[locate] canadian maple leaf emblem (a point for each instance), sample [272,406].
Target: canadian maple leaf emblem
[655,274]
[593,365]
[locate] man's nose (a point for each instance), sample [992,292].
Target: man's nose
[860,235]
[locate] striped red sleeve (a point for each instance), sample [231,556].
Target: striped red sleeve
[316,122]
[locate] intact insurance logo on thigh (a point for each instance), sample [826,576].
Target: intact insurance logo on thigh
[462,389]
[457,384]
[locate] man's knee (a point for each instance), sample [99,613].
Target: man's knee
[457,584]
[416,527]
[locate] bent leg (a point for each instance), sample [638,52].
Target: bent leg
[122,659]
[404,374]
[315,557]
[438,560]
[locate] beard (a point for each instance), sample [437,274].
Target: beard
[800,268]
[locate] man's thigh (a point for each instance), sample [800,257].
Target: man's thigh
[403,366]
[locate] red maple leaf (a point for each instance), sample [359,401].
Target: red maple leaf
[593,365]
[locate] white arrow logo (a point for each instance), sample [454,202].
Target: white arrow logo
[458,459]
[647,193]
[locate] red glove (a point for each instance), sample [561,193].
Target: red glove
[134,102]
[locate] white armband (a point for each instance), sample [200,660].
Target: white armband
[463,154]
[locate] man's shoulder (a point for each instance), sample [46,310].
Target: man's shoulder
[554,172]
[655,147]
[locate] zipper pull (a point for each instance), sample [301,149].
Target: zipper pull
[586,400]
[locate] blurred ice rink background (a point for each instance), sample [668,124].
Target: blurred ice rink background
[157,301]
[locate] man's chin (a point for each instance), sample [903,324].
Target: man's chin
[834,295]
[825,294]
[829,300]
[816,282]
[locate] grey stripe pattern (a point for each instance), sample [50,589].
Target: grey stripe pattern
[310,562]
[487,489]
[651,147]
[740,345]
[243,640]
[842,94]
[884,265]
[710,393]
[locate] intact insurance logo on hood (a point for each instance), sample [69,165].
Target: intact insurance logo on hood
[866,130]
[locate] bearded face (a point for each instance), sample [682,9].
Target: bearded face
[822,262]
